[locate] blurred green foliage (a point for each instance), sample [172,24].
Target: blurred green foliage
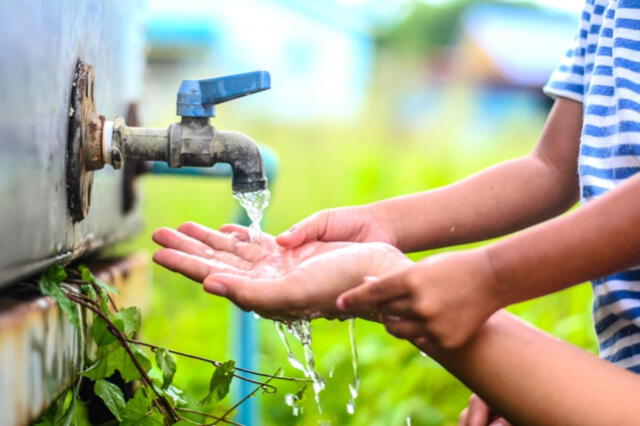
[327,165]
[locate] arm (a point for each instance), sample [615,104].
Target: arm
[533,378]
[598,239]
[497,201]
[449,296]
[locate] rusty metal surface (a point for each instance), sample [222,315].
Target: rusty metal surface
[42,42]
[84,149]
[40,349]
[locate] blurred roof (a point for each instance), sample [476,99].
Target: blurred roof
[523,44]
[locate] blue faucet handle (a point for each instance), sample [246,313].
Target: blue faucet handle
[196,98]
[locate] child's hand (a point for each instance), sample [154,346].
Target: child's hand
[358,224]
[271,280]
[445,298]
[478,413]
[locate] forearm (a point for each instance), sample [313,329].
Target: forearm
[503,199]
[497,201]
[598,239]
[533,378]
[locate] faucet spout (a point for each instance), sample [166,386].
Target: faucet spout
[242,153]
[194,142]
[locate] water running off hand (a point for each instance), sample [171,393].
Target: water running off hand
[255,204]
[354,386]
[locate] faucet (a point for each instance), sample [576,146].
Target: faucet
[193,141]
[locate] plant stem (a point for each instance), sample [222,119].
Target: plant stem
[218,363]
[79,281]
[272,388]
[249,395]
[123,341]
[201,413]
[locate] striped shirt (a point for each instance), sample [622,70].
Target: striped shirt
[602,70]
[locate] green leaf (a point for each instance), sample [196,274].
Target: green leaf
[89,277]
[103,301]
[103,288]
[55,273]
[152,419]
[176,395]
[112,397]
[128,370]
[138,410]
[120,360]
[57,411]
[131,319]
[167,364]
[138,406]
[99,370]
[50,286]
[103,351]
[88,290]
[220,382]
[100,331]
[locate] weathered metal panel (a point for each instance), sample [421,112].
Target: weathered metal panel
[40,349]
[41,43]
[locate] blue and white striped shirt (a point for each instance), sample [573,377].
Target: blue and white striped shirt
[602,70]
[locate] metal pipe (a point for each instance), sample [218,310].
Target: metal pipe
[146,144]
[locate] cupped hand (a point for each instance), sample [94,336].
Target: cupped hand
[274,281]
[446,298]
[358,224]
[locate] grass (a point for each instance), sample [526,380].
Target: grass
[325,165]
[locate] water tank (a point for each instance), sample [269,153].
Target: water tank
[43,43]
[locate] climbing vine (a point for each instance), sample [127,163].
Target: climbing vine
[109,345]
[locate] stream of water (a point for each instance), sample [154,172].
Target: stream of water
[255,204]
[354,386]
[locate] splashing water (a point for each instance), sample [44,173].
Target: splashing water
[301,330]
[293,401]
[281,328]
[255,204]
[354,386]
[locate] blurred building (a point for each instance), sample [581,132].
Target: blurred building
[515,47]
[319,56]
[502,57]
